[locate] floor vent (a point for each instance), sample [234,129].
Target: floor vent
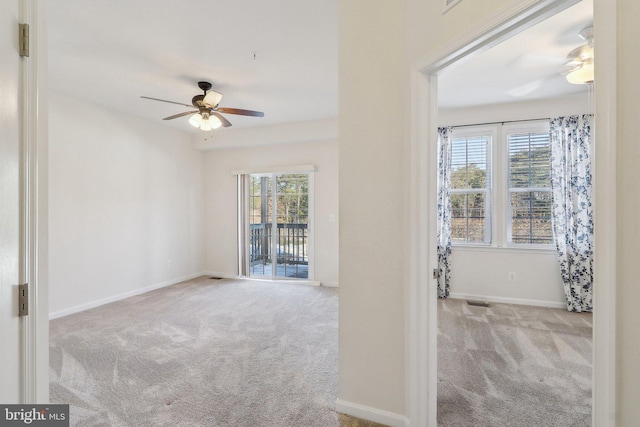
[216,278]
[478,303]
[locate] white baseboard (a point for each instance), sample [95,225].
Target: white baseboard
[329,284]
[504,300]
[371,414]
[107,300]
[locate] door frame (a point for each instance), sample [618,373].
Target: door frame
[421,303]
[243,222]
[33,206]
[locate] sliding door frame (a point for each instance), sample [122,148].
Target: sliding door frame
[244,258]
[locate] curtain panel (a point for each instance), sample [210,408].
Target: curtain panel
[572,211]
[444,211]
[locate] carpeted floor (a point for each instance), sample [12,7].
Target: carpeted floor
[202,353]
[245,353]
[514,366]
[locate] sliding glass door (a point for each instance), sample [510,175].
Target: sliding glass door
[278,235]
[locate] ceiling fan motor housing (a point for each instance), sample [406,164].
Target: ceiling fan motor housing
[197,100]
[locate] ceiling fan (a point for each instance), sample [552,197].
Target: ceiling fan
[580,60]
[207,114]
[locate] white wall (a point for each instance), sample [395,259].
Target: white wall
[373,209]
[554,107]
[627,221]
[220,235]
[125,204]
[484,272]
[298,132]
[380,40]
[132,207]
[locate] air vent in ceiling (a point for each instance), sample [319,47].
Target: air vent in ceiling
[448,4]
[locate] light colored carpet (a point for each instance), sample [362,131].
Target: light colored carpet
[240,353]
[202,353]
[513,366]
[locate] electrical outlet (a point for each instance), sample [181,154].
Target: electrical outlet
[512,276]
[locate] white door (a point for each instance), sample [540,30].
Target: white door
[10,170]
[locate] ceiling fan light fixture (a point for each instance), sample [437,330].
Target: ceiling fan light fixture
[214,122]
[206,124]
[581,54]
[195,120]
[580,60]
[205,121]
[582,74]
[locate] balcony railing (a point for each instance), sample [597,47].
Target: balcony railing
[291,244]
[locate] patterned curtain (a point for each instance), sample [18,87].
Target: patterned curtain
[572,210]
[444,211]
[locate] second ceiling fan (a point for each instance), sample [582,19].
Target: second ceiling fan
[207,114]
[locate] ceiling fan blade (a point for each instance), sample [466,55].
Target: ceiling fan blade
[175,116]
[240,112]
[225,123]
[164,100]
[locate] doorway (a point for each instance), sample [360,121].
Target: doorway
[514,267]
[422,301]
[278,216]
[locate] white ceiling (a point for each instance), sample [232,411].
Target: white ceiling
[528,66]
[113,51]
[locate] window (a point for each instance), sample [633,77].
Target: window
[470,189]
[529,188]
[501,185]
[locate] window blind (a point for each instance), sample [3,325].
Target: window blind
[469,162]
[529,185]
[470,179]
[529,156]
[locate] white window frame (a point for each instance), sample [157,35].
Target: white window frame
[491,133]
[519,128]
[499,203]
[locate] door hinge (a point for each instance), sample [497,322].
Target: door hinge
[436,273]
[24,39]
[23,299]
